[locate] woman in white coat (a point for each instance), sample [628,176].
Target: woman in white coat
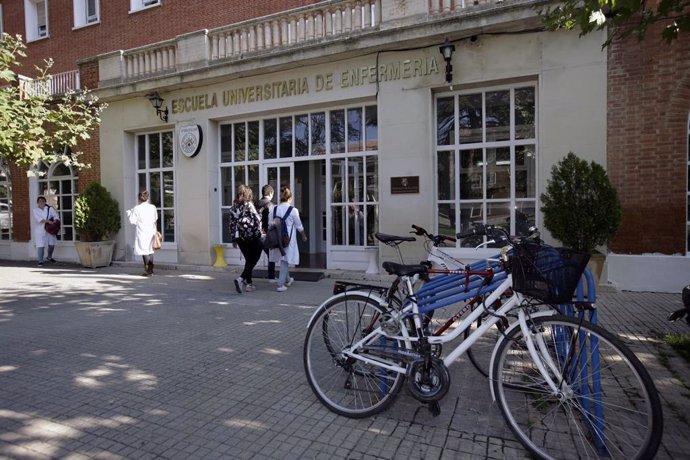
[144,216]
[294,225]
[42,214]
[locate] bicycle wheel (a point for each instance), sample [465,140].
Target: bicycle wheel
[345,385]
[480,351]
[606,406]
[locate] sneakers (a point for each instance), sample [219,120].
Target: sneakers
[281,288]
[249,288]
[52,261]
[289,281]
[239,285]
[273,280]
[40,264]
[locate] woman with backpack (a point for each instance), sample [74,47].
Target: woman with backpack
[245,228]
[293,225]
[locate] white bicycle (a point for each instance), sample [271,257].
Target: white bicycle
[567,388]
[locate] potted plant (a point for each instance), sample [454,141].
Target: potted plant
[581,207]
[96,218]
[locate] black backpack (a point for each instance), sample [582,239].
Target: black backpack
[278,236]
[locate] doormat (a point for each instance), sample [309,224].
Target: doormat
[296,274]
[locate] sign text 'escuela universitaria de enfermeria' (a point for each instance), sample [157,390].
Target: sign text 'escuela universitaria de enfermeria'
[399,70]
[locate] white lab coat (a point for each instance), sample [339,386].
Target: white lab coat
[41,237]
[294,225]
[144,216]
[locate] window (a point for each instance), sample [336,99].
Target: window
[58,183]
[136,5]
[347,138]
[687,217]
[1,25]
[156,173]
[486,151]
[5,201]
[86,12]
[36,17]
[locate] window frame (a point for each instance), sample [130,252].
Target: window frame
[452,146]
[238,162]
[6,183]
[140,5]
[166,223]
[81,13]
[58,200]
[32,23]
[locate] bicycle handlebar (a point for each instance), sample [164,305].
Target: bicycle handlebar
[437,239]
[494,231]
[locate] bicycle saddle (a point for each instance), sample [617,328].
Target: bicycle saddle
[392,240]
[404,270]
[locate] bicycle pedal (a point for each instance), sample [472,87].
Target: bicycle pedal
[434,408]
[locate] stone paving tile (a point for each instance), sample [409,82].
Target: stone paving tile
[106,364]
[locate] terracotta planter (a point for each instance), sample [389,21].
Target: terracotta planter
[95,254]
[596,265]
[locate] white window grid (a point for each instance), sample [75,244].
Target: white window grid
[479,212]
[243,150]
[155,171]
[5,201]
[58,183]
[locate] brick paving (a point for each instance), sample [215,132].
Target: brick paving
[107,364]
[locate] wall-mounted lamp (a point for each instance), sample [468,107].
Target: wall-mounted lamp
[157,102]
[447,50]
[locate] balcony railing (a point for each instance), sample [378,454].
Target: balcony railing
[296,27]
[55,85]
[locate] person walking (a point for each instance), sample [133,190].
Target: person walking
[245,227]
[294,225]
[41,214]
[265,208]
[144,215]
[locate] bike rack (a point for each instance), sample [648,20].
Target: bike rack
[449,289]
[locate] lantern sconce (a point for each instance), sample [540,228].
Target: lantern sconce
[157,102]
[447,50]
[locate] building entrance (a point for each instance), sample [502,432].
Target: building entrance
[307,180]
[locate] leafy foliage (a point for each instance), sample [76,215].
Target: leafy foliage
[33,126]
[628,17]
[96,213]
[580,206]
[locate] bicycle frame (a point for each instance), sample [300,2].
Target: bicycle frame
[514,302]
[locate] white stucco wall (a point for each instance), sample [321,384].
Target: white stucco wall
[571,107]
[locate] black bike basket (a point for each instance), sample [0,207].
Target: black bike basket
[546,273]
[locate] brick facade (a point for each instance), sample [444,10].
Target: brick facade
[648,106]
[118,29]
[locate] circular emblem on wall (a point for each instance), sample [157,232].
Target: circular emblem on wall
[190,140]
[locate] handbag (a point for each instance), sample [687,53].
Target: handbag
[157,238]
[51,226]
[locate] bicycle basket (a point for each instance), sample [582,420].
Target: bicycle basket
[546,273]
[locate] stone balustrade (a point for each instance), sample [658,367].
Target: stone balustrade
[325,22]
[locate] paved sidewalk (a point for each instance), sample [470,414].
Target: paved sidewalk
[107,364]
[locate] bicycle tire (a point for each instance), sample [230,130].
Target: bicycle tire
[347,386]
[614,412]
[480,351]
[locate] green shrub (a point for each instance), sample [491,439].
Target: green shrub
[96,214]
[581,207]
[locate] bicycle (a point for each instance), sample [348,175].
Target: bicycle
[438,263]
[559,381]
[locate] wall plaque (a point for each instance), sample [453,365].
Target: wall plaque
[405,184]
[190,139]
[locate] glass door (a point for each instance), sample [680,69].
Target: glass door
[279,175]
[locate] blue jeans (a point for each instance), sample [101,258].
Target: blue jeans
[40,253]
[284,272]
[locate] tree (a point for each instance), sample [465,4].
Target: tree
[623,17]
[581,207]
[34,127]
